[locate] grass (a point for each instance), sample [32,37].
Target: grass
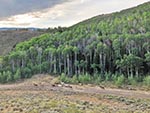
[147,81]
[43,103]
[119,81]
[39,101]
[85,79]
[108,80]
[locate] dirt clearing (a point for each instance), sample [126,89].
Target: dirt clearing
[45,94]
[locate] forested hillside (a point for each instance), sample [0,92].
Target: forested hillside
[107,46]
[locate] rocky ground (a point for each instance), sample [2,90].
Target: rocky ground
[46,94]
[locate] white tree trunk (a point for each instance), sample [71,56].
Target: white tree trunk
[68,64]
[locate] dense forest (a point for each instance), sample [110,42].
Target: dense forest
[117,43]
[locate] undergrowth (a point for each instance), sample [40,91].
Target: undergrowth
[97,79]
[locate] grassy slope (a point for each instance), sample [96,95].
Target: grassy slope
[8,39]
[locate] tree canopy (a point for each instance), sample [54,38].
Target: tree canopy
[114,43]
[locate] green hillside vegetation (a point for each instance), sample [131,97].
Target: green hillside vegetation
[107,47]
[9,38]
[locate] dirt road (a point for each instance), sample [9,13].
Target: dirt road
[45,94]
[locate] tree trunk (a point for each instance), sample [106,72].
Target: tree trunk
[79,70]
[86,60]
[65,65]
[55,68]
[51,60]
[22,62]
[128,73]
[101,63]
[13,65]
[137,72]
[131,71]
[59,63]
[104,63]
[91,57]
[68,64]
[75,59]
[71,67]
[94,60]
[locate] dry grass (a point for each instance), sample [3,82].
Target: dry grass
[25,97]
[8,39]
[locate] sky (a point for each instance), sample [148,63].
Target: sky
[53,13]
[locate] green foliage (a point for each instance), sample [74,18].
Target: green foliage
[65,78]
[132,81]
[44,67]
[17,75]
[147,55]
[1,77]
[26,72]
[36,69]
[4,77]
[84,78]
[89,52]
[97,79]
[108,76]
[146,81]
[120,80]
[9,76]
[74,79]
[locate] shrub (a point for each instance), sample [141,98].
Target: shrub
[35,69]
[132,81]
[9,76]
[74,79]
[3,77]
[114,77]
[146,81]
[84,78]
[97,79]
[108,76]
[26,72]
[65,78]
[120,80]
[17,75]
[44,67]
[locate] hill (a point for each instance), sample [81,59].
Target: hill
[9,38]
[113,47]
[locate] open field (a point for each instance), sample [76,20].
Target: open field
[45,94]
